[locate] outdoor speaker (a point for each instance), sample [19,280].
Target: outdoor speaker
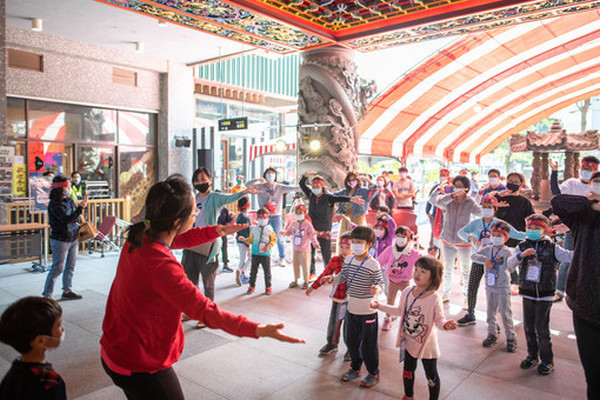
[205,158]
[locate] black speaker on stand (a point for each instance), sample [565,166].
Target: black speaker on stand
[205,159]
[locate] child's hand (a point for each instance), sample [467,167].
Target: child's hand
[475,241]
[528,252]
[327,279]
[374,290]
[241,238]
[488,264]
[375,305]
[450,325]
[309,290]
[317,246]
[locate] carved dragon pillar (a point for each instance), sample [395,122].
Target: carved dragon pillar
[536,176]
[568,172]
[331,101]
[576,164]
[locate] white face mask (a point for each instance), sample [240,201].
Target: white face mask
[358,248]
[76,181]
[270,177]
[493,181]
[379,232]
[487,212]
[299,217]
[352,184]
[497,240]
[317,191]
[595,186]
[586,175]
[263,221]
[401,241]
[55,340]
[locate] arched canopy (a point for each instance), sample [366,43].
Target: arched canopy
[464,101]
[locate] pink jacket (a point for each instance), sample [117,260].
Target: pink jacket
[398,265]
[303,234]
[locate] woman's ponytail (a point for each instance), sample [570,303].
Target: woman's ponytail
[136,235]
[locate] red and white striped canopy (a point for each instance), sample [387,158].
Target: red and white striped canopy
[258,150]
[464,101]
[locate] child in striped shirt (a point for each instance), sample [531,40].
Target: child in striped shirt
[364,279]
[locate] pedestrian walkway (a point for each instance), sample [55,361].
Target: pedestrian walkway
[215,365]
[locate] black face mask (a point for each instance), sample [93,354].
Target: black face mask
[513,187]
[202,187]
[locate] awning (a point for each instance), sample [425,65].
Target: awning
[281,145]
[464,101]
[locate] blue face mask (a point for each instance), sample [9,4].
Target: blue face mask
[533,234]
[497,240]
[317,191]
[585,175]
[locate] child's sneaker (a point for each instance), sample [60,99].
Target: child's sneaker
[350,375]
[347,356]
[545,368]
[250,290]
[238,277]
[370,380]
[468,319]
[268,291]
[293,284]
[226,269]
[387,324]
[312,277]
[529,362]
[511,345]
[245,279]
[489,341]
[328,349]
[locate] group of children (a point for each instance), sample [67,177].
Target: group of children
[370,261]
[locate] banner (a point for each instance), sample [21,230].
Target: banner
[39,188]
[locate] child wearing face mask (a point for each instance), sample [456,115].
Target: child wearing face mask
[364,280]
[398,261]
[422,314]
[383,196]
[303,234]
[478,232]
[384,237]
[538,258]
[32,326]
[497,284]
[241,274]
[262,239]
[337,315]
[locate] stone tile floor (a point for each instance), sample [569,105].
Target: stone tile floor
[216,365]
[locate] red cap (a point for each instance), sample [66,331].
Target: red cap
[346,240]
[537,222]
[318,180]
[300,207]
[589,164]
[499,229]
[382,222]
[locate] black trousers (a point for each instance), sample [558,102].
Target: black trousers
[196,265]
[334,326]
[162,385]
[361,340]
[433,379]
[224,250]
[474,280]
[325,252]
[536,323]
[589,353]
[265,261]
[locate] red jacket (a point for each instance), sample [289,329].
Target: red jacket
[334,267]
[142,329]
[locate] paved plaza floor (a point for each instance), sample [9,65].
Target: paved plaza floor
[216,365]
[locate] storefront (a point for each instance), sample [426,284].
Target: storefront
[112,149]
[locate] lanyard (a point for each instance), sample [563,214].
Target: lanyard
[355,272]
[486,228]
[496,255]
[413,302]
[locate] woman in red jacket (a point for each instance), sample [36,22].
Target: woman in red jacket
[142,333]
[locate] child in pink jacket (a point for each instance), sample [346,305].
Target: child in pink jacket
[303,234]
[397,261]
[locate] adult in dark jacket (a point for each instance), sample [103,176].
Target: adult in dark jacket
[64,232]
[582,215]
[320,210]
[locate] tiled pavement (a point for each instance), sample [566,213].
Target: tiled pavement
[215,365]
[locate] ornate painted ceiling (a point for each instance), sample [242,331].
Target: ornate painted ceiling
[365,25]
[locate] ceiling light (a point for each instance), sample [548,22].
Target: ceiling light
[139,47]
[315,144]
[280,146]
[36,24]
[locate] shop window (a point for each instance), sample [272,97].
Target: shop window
[96,166]
[49,157]
[15,118]
[137,128]
[63,122]
[137,174]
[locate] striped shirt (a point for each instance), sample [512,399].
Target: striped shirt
[360,275]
